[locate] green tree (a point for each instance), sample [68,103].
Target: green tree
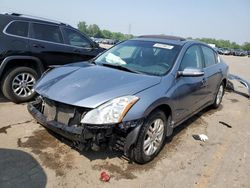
[83,27]
[94,31]
[107,34]
[221,43]
[246,46]
[235,46]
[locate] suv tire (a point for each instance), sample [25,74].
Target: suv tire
[142,153]
[19,80]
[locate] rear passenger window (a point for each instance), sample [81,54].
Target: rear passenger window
[45,32]
[18,28]
[209,56]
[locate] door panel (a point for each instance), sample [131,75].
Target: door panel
[81,47]
[212,70]
[214,76]
[190,92]
[46,43]
[19,43]
[81,54]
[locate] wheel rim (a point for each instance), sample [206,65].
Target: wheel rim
[22,84]
[219,95]
[153,137]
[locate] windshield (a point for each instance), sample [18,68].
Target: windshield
[147,57]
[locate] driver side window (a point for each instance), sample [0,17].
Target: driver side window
[74,38]
[192,58]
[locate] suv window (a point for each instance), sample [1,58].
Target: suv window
[192,58]
[45,32]
[18,28]
[209,56]
[76,39]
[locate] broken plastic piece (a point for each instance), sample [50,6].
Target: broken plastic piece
[241,80]
[201,137]
[223,123]
[105,176]
[230,86]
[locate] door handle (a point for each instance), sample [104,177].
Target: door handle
[203,81]
[77,50]
[35,45]
[38,46]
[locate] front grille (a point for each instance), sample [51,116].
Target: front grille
[62,113]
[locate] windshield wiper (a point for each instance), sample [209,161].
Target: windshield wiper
[120,68]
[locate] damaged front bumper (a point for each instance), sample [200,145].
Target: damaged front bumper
[119,136]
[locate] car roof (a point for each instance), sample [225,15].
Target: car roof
[170,40]
[17,16]
[163,39]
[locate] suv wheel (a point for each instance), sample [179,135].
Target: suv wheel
[17,84]
[151,137]
[218,97]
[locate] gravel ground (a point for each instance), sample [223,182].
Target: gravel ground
[32,157]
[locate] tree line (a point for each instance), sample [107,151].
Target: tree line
[225,43]
[93,30]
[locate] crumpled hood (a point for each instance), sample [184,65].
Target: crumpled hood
[87,85]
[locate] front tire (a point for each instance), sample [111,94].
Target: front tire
[151,137]
[17,84]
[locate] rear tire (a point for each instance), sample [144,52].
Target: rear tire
[219,96]
[17,84]
[151,137]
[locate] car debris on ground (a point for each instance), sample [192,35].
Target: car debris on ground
[201,137]
[227,125]
[105,176]
[230,85]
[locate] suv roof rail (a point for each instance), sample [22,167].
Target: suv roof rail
[169,37]
[34,17]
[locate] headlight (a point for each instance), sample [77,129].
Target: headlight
[110,112]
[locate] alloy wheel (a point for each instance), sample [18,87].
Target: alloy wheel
[219,95]
[153,137]
[22,84]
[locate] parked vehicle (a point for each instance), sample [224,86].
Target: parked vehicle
[224,51]
[112,41]
[239,52]
[29,45]
[132,96]
[245,53]
[220,51]
[231,51]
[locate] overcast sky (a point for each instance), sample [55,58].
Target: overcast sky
[220,19]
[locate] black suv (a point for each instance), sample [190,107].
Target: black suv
[30,45]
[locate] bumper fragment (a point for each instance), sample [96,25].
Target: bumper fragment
[73,133]
[244,82]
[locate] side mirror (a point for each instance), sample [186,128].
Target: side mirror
[95,44]
[190,72]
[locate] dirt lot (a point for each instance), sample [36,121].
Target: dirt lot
[32,157]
